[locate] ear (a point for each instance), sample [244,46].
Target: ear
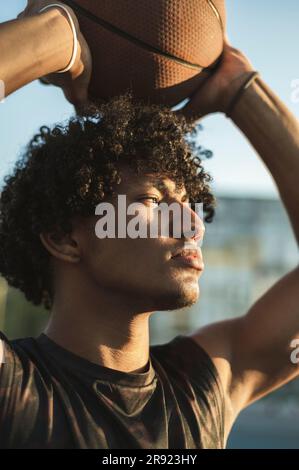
[62,246]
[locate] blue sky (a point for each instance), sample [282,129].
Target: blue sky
[266,30]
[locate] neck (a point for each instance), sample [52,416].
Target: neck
[101,326]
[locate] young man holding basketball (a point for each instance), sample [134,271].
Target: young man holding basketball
[91,379]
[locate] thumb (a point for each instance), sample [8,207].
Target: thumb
[77,96]
[21,14]
[83,108]
[26,10]
[191,110]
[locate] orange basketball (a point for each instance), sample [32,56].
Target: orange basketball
[160,49]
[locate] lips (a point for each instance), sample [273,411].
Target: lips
[188,257]
[193,253]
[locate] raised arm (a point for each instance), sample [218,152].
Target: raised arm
[274,132]
[253,353]
[38,45]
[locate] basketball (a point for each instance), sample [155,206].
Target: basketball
[162,50]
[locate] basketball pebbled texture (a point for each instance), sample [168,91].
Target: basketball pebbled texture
[190,31]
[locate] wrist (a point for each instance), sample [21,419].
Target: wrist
[241,91]
[58,40]
[232,88]
[250,105]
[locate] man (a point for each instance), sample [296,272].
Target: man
[91,380]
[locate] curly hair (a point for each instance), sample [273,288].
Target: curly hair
[67,170]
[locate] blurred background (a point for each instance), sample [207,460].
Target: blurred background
[247,248]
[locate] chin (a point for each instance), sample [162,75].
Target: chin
[184,296]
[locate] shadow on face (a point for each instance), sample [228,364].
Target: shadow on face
[139,268]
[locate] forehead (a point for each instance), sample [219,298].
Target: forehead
[131,181]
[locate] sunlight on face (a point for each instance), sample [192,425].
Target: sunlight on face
[145,268]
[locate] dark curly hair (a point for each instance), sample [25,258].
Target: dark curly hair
[68,170]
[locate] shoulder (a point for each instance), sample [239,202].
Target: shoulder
[186,354]
[187,363]
[218,340]
[25,391]
[8,355]
[13,361]
[189,353]
[19,367]
[13,351]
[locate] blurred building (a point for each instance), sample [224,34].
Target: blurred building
[246,249]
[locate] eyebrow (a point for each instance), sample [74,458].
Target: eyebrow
[162,187]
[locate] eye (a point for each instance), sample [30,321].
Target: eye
[185,198]
[150,198]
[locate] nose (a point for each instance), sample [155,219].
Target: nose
[191,226]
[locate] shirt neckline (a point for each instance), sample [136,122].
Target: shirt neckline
[96,371]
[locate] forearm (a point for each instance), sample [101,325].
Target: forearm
[33,47]
[274,132]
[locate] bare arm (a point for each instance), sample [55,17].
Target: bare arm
[261,341]
[253,353]
[33,47]
[274,132]
[38,45]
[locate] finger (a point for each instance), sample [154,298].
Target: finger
[44,81]
[191,110]
[77,97]
[189,115]
[22,14]
[26,10]
[81,109]
[86,108]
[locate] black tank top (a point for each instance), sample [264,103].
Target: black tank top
[52,398]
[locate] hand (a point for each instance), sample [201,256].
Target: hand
[216,93]
[75,82]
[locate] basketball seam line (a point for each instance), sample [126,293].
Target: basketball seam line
[133,39]
[215,10]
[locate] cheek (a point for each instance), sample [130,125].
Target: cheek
[115,260]
[118,259]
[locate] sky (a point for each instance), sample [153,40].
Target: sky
[265,30]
